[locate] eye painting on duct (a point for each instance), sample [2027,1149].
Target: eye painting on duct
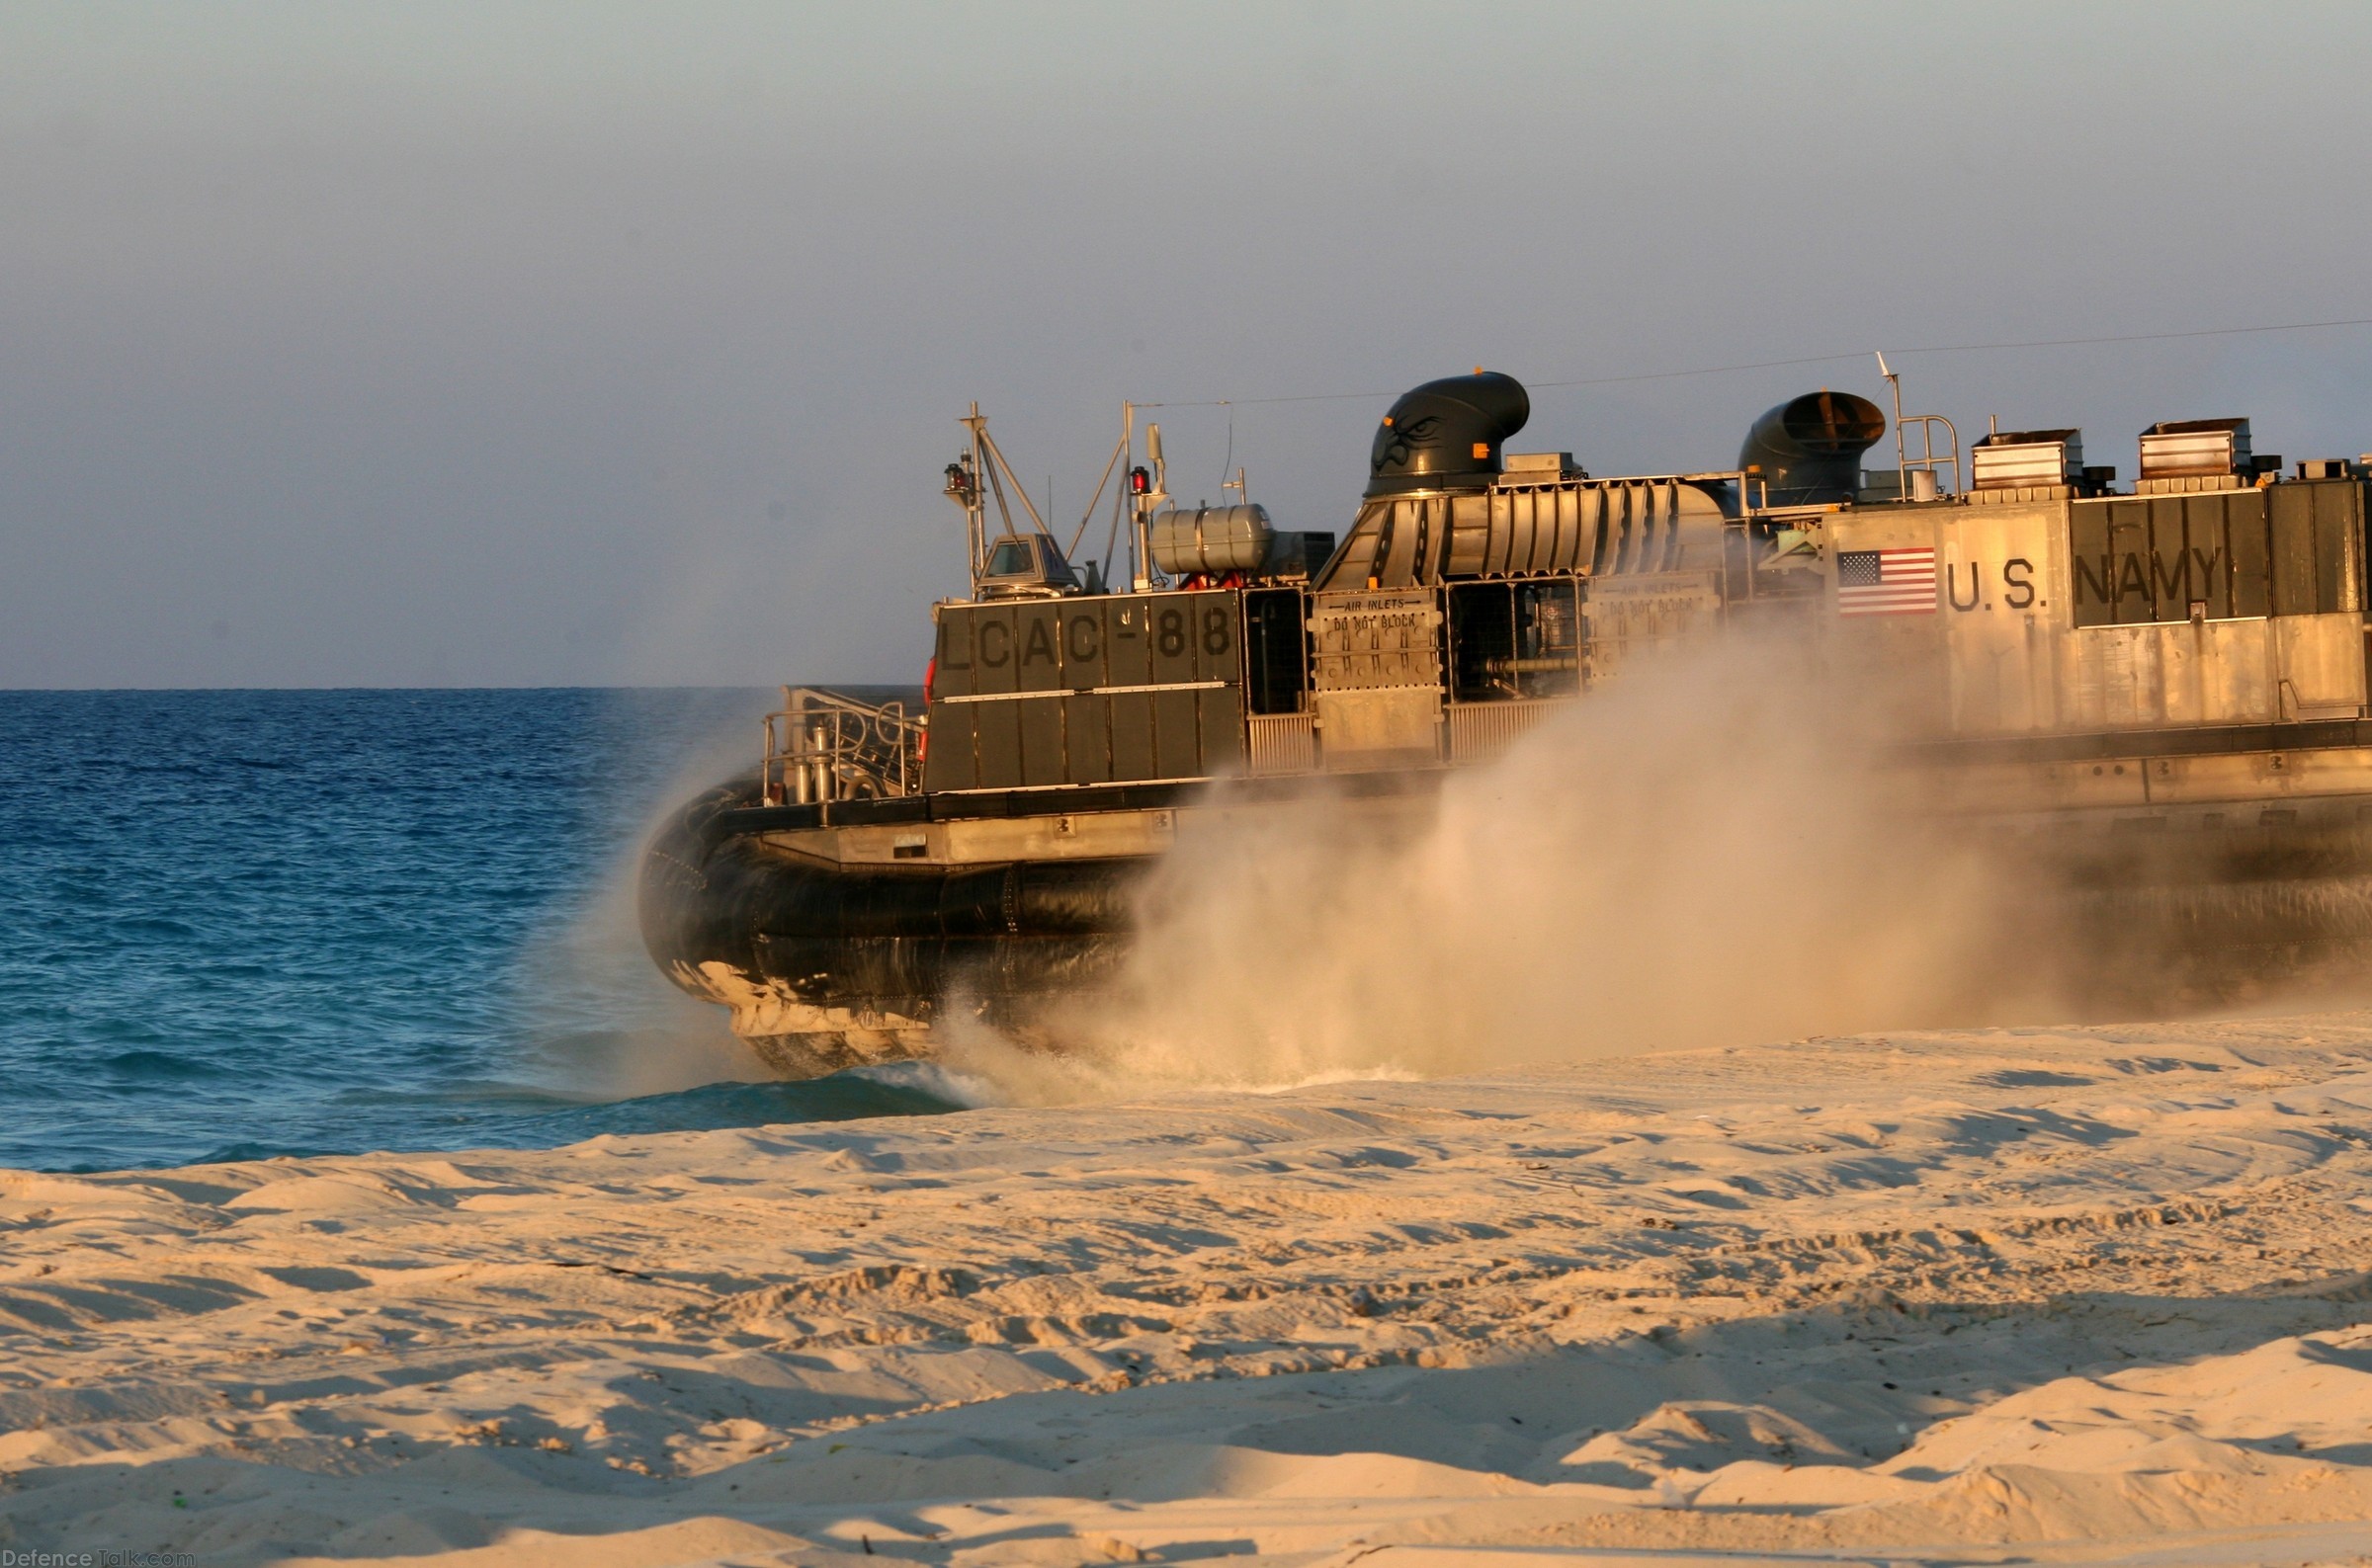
[1404,440]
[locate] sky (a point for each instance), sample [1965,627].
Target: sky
[508,344]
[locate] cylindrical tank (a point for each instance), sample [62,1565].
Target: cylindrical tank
[1446,434]
[1212,539]
[1810,448]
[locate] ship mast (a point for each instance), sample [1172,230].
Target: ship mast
[1149,493]
[981,462]
[964,489]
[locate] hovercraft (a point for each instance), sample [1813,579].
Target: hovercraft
[2178,663]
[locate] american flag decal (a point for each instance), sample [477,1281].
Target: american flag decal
[1886,582]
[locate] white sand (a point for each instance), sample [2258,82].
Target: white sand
[2082,1295]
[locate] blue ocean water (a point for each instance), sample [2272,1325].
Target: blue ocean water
[237,923]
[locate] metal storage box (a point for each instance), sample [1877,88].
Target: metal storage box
[2010,459]
[2182,448]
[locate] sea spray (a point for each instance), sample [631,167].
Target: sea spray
[604,1024]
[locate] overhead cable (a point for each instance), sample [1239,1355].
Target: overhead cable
[1815,358]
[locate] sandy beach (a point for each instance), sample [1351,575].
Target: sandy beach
[2082,1295]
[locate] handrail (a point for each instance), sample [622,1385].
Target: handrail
[822,747]
[1929,459]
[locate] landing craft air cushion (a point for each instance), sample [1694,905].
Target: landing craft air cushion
[2166,686]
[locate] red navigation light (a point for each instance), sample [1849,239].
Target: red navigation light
[1140,482]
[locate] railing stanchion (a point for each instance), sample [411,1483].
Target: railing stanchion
[831,749]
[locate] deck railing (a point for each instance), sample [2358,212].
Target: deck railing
[822,747]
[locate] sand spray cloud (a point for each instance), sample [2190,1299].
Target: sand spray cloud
[1703,851]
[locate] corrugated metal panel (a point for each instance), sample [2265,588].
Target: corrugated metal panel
[1472,549]
[1037,694]
[2243,512]
[995,648]
[1574,508]
[999,743]
[2134,561]
[1469,515]
[2206,530]
[1042,761]
[1038,632]
[2339,546]
[1169,623]
[1080,641]
[1087,738]
[1216,654]
[1177,735]
[1479,731]
[2092,569]
[1131,736]
[951,763]
[1552,518]
[1127,641]
[2317,535]
[1523,529]
[1358,551]
[2128,534]
[953,675]
[1219,718]
[1283,743]
[2290,513]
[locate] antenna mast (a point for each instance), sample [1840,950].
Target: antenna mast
[964,489]
[1928,460]
[1894,384]
[1149,501]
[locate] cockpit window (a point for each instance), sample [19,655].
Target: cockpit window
[1012,558]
